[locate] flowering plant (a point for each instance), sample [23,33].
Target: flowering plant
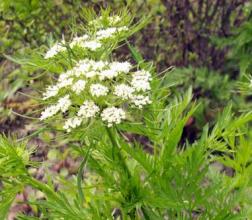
[110,103]
[97,87]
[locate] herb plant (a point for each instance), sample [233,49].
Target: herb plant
[102,105]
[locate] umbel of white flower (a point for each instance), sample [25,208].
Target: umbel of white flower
[92,41]
[98,89]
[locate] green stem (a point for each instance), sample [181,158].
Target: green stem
[145,214]
[116,151]
[80,176]
[113,141]
[79,180]
[132,214]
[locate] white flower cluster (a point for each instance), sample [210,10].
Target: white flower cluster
[115,69]
[55,49]
[124,91]
[113,115]
[109,32]
[140,100]
[88,110]
[72,123]
[63,104]
[81,87]
[112,20]
[141,81]
[76,79]
[78,40]
[98,88]
[85,41]
[92,45]
[92,41]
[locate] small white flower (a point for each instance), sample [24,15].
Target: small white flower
[72,123]
[142,74]
[114,19]
[108,74]
[98,65]
[123,28]
[55,49]
[50,92]
[124,91]
[65,75]
[140,100]
[78,40]
[79,86]
[141,81]
[106,33]
[64,103]
[95,22]
[113,115]
[120,67]
[91,45]
[82,67]
[65,83]
[49,112]
[91,74]
[98,90]
[88,110]
[110,32]
[140,85]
